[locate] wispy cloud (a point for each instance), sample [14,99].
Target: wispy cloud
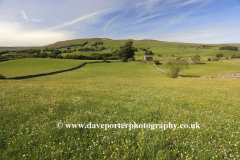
[36,20]
[109,22]
[146,18]
[27,19]
[146,2]
[189,2]
[154,19]
[24,16]
[76,20]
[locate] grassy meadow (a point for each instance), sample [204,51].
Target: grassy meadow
[207,69]
[29,66]
[112,93]
[121,93]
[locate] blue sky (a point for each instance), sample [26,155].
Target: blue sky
[42,22]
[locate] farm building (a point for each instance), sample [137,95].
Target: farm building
[148,58]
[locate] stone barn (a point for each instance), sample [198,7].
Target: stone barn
[148,58]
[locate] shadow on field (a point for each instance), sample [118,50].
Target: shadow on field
[198,63]
[194,76]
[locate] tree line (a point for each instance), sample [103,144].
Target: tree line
[233,48]
[122,53]
[73,45]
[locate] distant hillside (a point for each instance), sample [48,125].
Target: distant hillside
[152,44]
[117,43]
[16,48]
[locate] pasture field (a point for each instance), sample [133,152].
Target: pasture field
[207,69]
[28,66]
[113,93]
[233,61]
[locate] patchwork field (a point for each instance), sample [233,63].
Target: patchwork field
[166,49]
[113,93]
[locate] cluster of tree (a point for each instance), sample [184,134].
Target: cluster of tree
[149,52]
[74,45]
[86,49]
[97,43]
[15,56]
[125,52]
[234,56]
[94,56]
[206,47]
[44,54]
[28,51]
[233,48]
[219,55]
[67,51]
[143,49]
[32,53]
[4,52]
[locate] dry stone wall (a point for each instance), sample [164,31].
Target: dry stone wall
[61,71]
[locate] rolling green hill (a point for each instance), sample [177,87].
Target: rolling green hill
[158,47]
[166,49]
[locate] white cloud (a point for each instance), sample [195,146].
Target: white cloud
[36,20]
[146,18]
[189,2]
[109,22]
[24,16]
[27,19]
[76,20]
[16,35]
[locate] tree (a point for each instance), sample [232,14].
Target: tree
[2,77]
[176,66]
[215,59]
[126,51]
[156,62]
[233,56]
[196,59]
[219,55]
[149,52]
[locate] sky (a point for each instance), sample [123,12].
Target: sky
[43,22]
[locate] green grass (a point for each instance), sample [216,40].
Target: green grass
[28,66]
[206,69]
[112,93]
[110,70]
[234,61]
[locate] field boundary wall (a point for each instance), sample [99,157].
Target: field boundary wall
[61,71]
